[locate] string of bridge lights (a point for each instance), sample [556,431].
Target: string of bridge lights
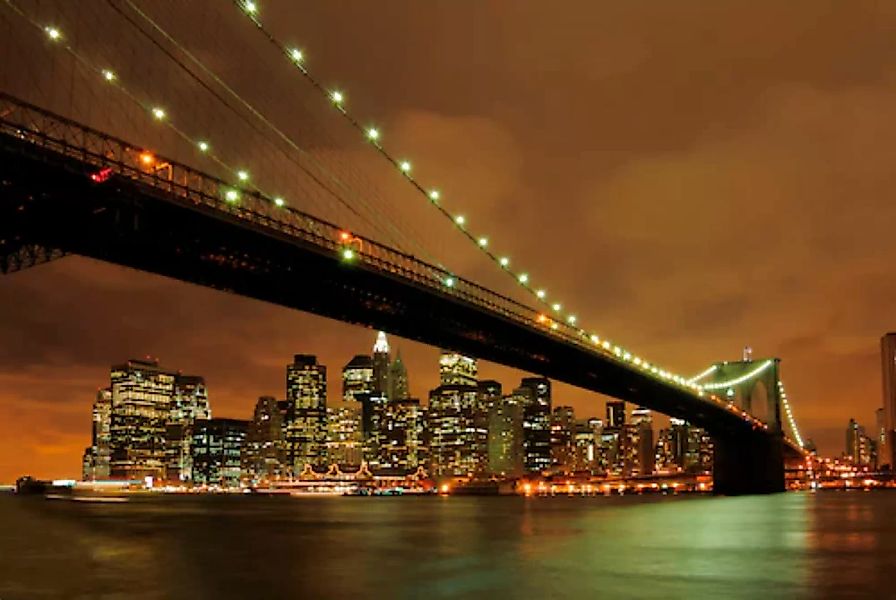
[796,432]
[232,195]
[373,135]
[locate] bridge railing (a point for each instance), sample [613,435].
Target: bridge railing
[107,156]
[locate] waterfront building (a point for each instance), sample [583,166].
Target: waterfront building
[888,376]
[306,413]
[458,443]
[535,394]
[216,448]
[345,436]
[643,452]
[585,442]
[264,453]
[563,421]
[142,394]
[190,402]
[97,456]
[401,439]
[505,437]
[860,448]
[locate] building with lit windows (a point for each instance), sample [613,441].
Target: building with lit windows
[505,437]
[345,437]
[401,443]
[216,448]
[142,395]
[357,379]
[398,380]
[457,369]
[563,421]
[98,455]
[586,443]
[535,395]
[860,448]
[380,363]
[458,441]
[264,452]
[190,402]
[306,413]
[641,457]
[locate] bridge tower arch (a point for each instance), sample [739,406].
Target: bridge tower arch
[749,463]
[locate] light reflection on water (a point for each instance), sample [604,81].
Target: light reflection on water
[782,546]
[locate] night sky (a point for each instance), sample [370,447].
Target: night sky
[692,176]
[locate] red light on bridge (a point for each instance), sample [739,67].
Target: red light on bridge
[101,175]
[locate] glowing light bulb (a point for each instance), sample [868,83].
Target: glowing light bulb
[504,261]
[523,278]
[434,195]
[541,294]
[337,97]
[483,242]
[279,201]
[108,75]
[460,220]
[373,134]
[250,7]
[595,339]
[243,175]
[53,33]
[449,281]
[296,54]
[158,113]
[231,195]
[405,166]
[556,306]
[571,319]
[348,254]
[147,158]
[203,146]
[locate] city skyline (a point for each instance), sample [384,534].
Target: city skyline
[668,161]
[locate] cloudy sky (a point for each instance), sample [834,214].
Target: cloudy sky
[692,176]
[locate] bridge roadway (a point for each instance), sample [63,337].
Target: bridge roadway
[175,221]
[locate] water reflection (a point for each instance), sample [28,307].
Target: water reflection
[788,545]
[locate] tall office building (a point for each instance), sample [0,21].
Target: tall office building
[563,421]
[97,456]
[381,362]
[190,402]
[306,413]
[615,414]
[216,449]
[535,394]
[401,441]
[457,369]
[398,388]
[888,375]
[505,437]
[142,395]
[642,453]
[357,378]
[458,443]
[264,452]
[345,437]
[586,443]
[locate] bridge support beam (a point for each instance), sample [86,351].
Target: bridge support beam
[748,465]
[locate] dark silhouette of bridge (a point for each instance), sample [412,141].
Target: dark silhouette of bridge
[69,189]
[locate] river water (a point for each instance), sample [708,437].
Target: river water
[796,545]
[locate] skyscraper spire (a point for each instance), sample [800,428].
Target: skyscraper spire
[381,345]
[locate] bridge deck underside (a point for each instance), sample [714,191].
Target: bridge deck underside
[48,200]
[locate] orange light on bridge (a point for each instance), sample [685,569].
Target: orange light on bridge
[147,158]
[344,236]
[542,319]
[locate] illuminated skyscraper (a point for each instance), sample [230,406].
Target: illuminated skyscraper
[357,379]
[563,421]
[615,413]
[398,380]
[142,394]
[642,455]
[264,452]
[306,413]
[535,395]
[190,403]
[401,441]
[505,437]
[887,455]
[457,369]
[380,363]
[458,444]
[216,448]
[98,454]
[345,438]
